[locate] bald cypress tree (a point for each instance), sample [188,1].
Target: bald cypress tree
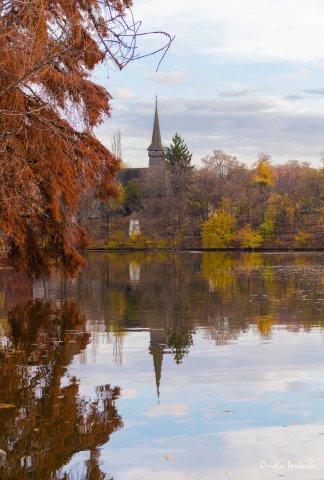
[50,107]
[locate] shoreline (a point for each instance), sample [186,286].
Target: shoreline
[265,250]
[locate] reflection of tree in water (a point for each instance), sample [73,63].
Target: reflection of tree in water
[264,325]
[224,294]
[219,294]
[42,423]
[261,290]
[179,343]
[14,287]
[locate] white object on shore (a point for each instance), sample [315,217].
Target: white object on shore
[134,228]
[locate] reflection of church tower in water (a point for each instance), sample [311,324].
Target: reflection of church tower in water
[156,149]
[157,349]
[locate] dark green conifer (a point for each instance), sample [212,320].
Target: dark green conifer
[177,155]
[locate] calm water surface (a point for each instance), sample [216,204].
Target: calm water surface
[152,366]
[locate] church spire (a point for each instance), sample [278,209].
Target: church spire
[156,144]
[157,349]
[157,353]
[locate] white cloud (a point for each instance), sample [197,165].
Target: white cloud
[315,91]
[300,72]
[124,94]
[239,92]
[168,409]
[128,393]
[165,78]
[267,29]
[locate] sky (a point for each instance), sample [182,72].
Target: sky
[245,77]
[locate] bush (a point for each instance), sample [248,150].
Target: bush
[161,244]
[267,229]
[219,230]
[302,238]
[121,240]
[117,240]
[249,238]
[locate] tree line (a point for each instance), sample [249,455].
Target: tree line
[221,203]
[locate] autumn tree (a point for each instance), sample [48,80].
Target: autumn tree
[263,174]
[221,175]
[49,108]
[219,230]
[220,164]
[249,238]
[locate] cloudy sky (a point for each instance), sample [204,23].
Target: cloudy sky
[244,77]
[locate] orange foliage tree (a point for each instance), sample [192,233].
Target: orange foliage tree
[49,107]
[54,421]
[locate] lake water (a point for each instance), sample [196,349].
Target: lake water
[152,366]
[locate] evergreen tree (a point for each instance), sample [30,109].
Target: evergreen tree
[177,155]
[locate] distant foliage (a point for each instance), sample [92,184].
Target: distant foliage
[249,238]
[267,230]
[263,171]
[121,240]
[302,238]
[219,230]
[225,204]
[220,164]
[132,196]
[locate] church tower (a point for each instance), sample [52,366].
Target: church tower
[156,149]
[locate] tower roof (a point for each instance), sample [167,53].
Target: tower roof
[156,144]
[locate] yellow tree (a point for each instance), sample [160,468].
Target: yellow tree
[263,174]
[249,238]
[219,230]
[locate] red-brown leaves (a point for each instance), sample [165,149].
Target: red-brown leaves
[48,106]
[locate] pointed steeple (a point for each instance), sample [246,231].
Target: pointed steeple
[156,149]
[157,352]
[156,144]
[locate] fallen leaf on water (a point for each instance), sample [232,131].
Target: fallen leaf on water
[169,457]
